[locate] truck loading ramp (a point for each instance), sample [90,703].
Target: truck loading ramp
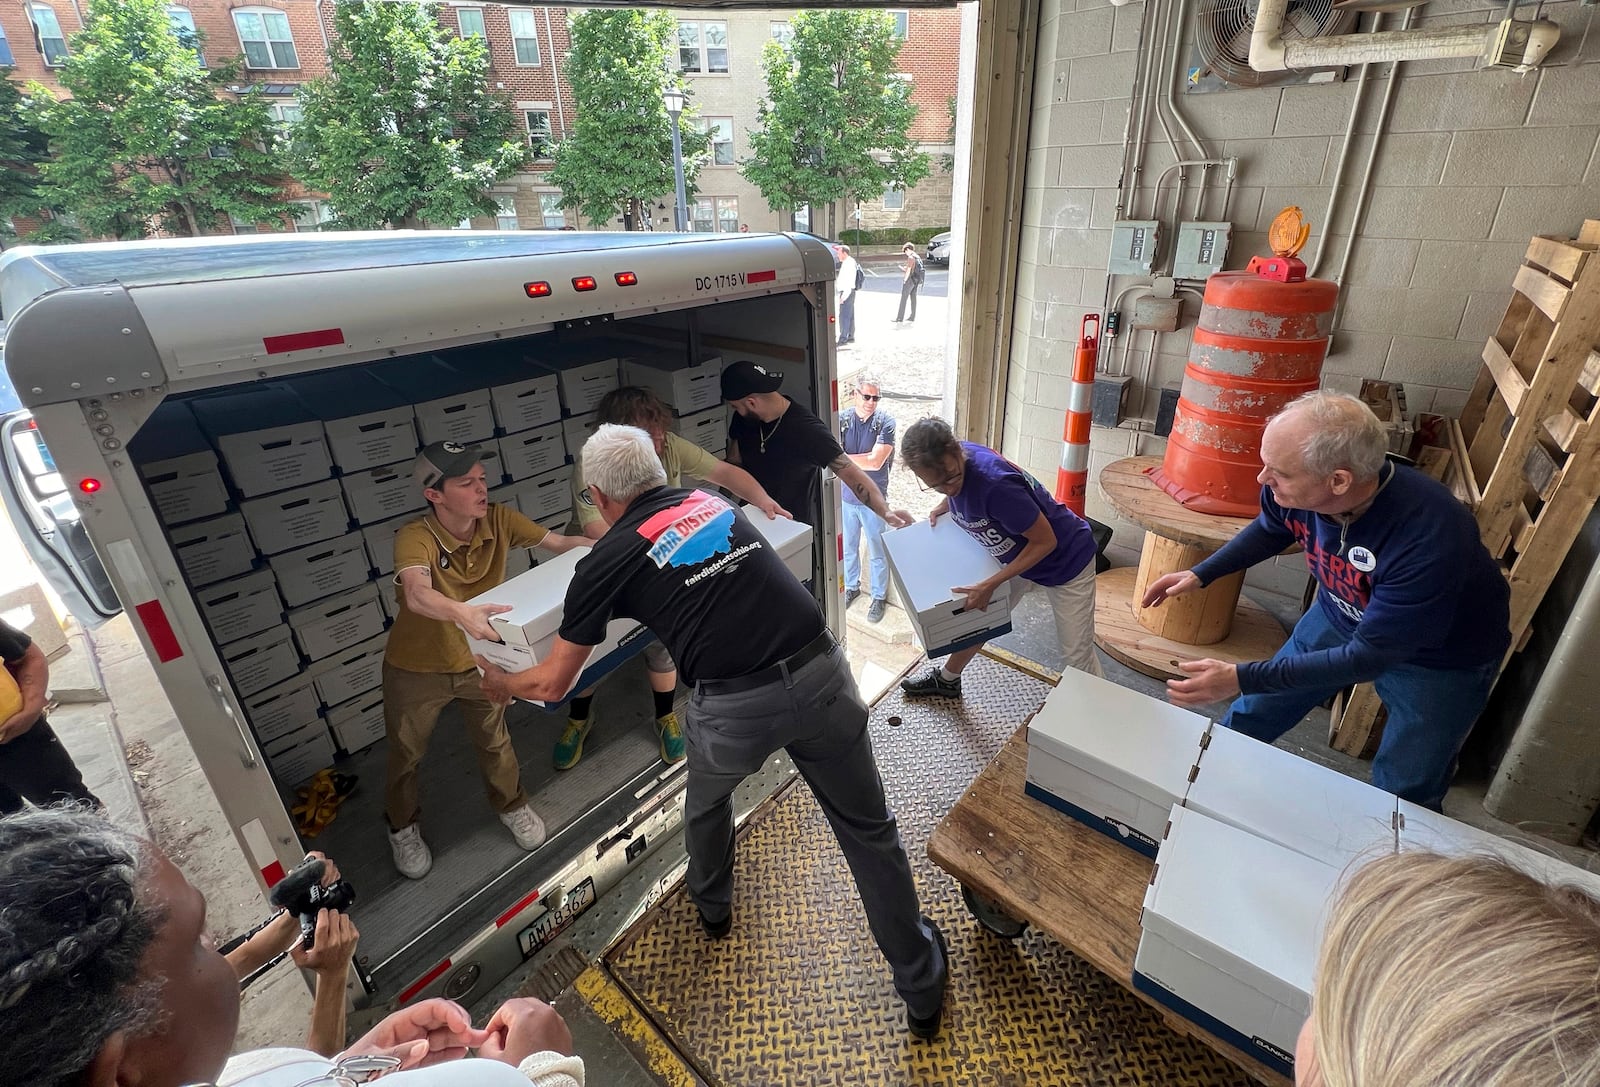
[798,993]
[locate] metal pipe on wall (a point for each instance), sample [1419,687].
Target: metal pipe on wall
[1344,158]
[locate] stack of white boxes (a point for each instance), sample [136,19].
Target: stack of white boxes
[790,539]
[926,562]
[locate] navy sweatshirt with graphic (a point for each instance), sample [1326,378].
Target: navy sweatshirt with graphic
[1408,582]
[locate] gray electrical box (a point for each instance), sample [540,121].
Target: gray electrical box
[1133,247]
[1201,250]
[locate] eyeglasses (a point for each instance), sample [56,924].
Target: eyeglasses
[941,484]
[872,397]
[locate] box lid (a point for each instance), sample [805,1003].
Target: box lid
[244,413]
[784,534]
[1142,744]
[1247,906]
[1422,829]
[1293,801]
[536,598]
[343,393]
[931,559]
[345,712]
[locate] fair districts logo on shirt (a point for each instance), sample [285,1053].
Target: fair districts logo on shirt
[1363,559]
[691,532]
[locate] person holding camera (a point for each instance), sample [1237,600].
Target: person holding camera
[108,977]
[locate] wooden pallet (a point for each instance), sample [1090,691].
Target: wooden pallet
[1526,450]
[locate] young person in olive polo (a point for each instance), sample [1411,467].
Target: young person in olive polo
[441,560]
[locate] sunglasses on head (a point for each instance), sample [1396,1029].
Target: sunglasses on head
[870,396]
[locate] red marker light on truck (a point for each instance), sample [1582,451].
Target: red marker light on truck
[626,279]
[536,290]
[88,486]
[583,283]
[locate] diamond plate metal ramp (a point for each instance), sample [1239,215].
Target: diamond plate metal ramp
[798,994]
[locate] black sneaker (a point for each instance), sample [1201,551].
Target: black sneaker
[926,1027]
[932,685]
[715,930]
[850,596]
[875,612]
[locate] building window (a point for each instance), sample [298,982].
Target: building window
[539,136]
[469,21]
[721,131]
[525,39]
[182,20]
[47,34]
[802,218]
[783,34]
[728,214]
[894,199]
[285,115]
[265,37]
[703,47]
[902,24]
[505,213]
[5,48]
[550,211]
[309,215]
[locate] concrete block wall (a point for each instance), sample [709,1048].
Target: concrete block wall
[1471,164]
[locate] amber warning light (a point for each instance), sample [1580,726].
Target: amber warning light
[583,283]
[536,290]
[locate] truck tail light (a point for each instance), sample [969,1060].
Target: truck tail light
[626,279]
[583,283]
[540,289]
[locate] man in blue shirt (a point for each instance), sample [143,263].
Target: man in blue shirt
[867,436]
[1408,597]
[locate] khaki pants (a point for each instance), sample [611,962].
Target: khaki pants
[412,702]
[1072,605]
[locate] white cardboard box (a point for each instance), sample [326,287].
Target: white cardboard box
[366,422]
[358,723]
[926,561]
[1421,828]
[378,494]
[269,441]
[322,569]
[1295,802]
[1231,926]
[545,496]
[261,660]
[241,606]
[388,596]
[687,387]
[707,429]
[583,385]
[380,541]
[312,752]
[337,622]
[529,628]
[1112,758]
[212,550]
[450,406]
[533,452]
[350,672]
[284,708]
[576,430]
[178,465]
[290,519]
[790,539]
[527,402]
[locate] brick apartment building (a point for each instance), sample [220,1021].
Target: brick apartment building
[285,43]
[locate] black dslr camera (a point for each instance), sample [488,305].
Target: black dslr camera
[301,893]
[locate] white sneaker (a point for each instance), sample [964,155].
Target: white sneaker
[525,826]
[411,854]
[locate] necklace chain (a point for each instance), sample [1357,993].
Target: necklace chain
[765,434]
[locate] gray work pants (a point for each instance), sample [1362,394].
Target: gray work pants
[818,717]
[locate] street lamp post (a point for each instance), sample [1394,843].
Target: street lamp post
[675,100]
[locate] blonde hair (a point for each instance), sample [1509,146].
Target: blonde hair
[1457,972]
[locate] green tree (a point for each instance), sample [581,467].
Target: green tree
[618,155]
[837,119]
[404,131]
[22,148]
[148,139]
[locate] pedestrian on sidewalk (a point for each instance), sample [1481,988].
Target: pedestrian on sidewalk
[913,274]
[867,435]
[34,767]
[845,287]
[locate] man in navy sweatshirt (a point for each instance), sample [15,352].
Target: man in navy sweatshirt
[1408,597]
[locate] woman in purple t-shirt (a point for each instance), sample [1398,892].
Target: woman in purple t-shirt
[1037,540]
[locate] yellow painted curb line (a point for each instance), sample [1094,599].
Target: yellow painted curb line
[622,1015]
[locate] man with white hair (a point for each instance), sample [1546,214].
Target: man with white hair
[765,673]
[1408,597]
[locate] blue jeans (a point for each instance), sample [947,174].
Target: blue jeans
[859,518]
[1431,711]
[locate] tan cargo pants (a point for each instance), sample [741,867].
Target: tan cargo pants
[412,702]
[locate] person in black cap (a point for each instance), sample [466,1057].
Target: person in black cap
[783,444]
[441,560]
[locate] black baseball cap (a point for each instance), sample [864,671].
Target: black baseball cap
[440,461]
[742,379]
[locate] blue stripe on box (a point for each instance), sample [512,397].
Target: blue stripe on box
[1117,832]
[969,641]
[636,643]
[1259,1048]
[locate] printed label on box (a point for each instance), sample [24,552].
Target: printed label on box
[280,710]
[321,569]
[241,606]
[291,519]
[212,550]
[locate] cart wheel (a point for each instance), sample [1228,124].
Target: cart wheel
[991,916]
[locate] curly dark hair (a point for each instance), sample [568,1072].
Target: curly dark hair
[73,929]
[634,406]
[928,442]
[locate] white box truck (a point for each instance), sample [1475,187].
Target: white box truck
[103,335]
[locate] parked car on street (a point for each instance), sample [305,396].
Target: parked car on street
[939,249]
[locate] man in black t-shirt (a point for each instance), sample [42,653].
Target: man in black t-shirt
[766,674]
[34,767]
[784,445]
